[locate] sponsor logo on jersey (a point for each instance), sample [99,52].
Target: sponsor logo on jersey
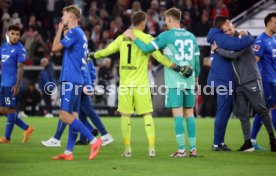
[273,52]
[5,57]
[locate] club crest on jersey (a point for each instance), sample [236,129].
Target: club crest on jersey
[256,48]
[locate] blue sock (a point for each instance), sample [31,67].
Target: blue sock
[94,117]
[89,127]
[78,126]
[273,116]
[72,136]
[10,124]
[60,128]
[20,123]
[257,124]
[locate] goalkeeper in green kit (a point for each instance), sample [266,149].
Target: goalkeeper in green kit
[181,48]
[134,91]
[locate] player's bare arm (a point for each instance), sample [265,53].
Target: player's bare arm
[16,88]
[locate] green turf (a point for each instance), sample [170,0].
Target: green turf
[33,159]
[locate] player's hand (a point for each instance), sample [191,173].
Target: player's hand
[15,90]
[60,26]
[90,56]
[243,33]
[185,70]
[214,46]
[88,90]
[129,34]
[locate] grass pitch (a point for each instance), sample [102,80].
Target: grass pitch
[32,158]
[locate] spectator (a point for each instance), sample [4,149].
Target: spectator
[6,19]
[203,26]
[105,74]
[46,80]
[31,98]
[219,10]
[152,25]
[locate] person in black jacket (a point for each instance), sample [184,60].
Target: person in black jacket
[249,88]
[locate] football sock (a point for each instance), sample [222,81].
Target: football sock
[94,117]
[60,128]
[79,126]
[257,124]
[72,136]
[179,132]
[191,126]
[20,123]
[11,118]
[89,127]
[150,131]
[126,132]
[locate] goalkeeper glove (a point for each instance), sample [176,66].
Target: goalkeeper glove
[90,56]
[185,70]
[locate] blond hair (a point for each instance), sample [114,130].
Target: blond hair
[74,10]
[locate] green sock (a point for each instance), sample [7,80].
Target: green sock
[126,132]
[191,126]
[149,127]
[179,132]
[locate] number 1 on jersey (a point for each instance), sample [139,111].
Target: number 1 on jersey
[129,53]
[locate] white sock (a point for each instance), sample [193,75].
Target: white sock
[93,141]
[254,141]
[67,152]
[215,145]
[181,150]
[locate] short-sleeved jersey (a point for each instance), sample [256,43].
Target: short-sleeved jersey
[11,55]
[180,46]
[265,48]
[74,58]
[133,62]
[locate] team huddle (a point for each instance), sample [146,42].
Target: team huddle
[180,57]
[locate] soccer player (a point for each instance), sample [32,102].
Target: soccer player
[13,57]
[221,75]
[181,48]
[86,109]
[265,51]
[248,85]
[71,80]
[134,90]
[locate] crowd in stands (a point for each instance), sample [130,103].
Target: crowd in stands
[104,20]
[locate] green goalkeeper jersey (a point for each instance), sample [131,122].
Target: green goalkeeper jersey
[133,62]
[180,46]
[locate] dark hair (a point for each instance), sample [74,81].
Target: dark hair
[269,17]
[174,13]
[14,28]
[138,17]
[219,21]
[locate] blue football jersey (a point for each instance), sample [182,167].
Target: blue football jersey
[265,48]
[74,58]
[89,74]
[11,55]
